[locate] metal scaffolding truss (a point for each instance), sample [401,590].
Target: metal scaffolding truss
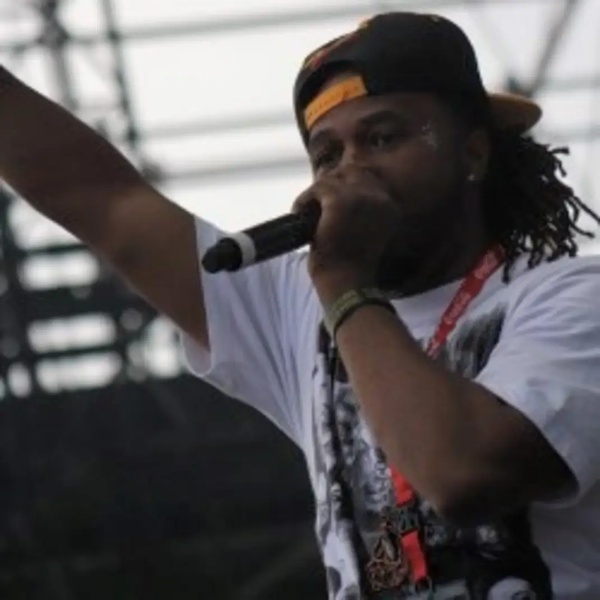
[41,323]
[26,310]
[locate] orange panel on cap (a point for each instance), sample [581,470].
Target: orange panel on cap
[350,88]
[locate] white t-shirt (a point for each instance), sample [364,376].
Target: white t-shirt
[534,342]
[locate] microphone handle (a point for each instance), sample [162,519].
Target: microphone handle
[266,240]
[283,234]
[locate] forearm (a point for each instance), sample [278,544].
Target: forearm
[420,413]
[433,425]
[58,164]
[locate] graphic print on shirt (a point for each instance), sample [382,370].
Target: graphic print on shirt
[358,524]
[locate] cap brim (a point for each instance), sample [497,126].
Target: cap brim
[510,111]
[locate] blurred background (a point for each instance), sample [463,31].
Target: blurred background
[122,477]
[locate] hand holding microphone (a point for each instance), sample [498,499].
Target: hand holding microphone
[264,241]
[348,218]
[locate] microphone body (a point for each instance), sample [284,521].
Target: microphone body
[267,240]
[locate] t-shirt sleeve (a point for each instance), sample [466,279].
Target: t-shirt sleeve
[547,364]
[254,318]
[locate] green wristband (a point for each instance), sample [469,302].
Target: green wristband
[351,301]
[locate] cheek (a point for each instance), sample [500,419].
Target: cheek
[435,157]
[430,136]
[422,171]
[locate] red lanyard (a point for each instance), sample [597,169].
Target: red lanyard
[467,292]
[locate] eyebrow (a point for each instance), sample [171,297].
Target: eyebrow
[381,116]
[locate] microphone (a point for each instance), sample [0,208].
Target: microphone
[267,240]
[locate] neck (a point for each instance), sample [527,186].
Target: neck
[445,262]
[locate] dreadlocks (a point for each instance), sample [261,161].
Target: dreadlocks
[528,209]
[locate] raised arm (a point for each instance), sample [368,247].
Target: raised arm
[75,177]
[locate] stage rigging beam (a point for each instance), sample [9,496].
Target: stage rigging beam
[253,22]
[113,34]
[285,118]
[278,166]
[553,41]
[54,37]
[15,345]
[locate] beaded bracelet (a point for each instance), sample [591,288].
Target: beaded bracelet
[351,301]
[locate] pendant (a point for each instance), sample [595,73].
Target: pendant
[388,567]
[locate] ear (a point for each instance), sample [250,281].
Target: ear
[477,154]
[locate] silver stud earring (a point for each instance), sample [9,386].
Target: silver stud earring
[471,178]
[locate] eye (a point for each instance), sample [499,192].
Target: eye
[383,138]
[326,158]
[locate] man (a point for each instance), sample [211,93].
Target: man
[448,408]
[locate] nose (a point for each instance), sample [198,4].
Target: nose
[353,158]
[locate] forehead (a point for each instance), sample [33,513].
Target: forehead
[411,107]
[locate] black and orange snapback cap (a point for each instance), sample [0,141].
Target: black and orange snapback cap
[404,52]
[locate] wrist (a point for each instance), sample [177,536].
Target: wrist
[349,302]
[330,284]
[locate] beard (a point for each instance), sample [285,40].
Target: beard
[421,255]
